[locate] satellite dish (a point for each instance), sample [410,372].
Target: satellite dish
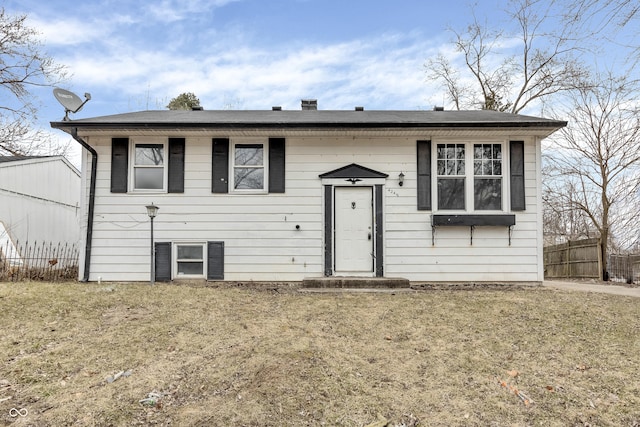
[70,101]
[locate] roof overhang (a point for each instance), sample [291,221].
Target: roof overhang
[382,123]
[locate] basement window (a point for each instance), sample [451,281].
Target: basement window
[189,260]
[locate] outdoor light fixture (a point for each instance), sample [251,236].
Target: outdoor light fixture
[401,179]
[152,211]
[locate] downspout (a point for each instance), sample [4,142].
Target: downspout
[92,199]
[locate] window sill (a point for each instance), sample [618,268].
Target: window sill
[147,191]
[247,192]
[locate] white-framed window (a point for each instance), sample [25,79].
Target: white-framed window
[189,259]
[451,167]
[249,166]
[149,165]
[487,177]
[469,176]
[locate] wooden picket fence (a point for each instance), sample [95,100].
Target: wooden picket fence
[38,261]
[579,259]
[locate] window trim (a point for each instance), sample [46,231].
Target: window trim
[175,260]
[133,142]
[499,178]
[469,176]
[265,165]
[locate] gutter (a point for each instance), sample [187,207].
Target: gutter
[315,125]
[92,200]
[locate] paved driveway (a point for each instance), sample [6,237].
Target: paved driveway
[593,287]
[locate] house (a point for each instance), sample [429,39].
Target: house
[39,200]
[284,195]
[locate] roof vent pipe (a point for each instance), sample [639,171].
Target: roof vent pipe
[309,104]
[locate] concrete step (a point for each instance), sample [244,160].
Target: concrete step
[339,282]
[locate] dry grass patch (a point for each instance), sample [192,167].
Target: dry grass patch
[256,357]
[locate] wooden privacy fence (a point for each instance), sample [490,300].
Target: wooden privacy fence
[578,259]
[38,261]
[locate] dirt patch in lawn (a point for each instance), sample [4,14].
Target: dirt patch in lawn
[132,354]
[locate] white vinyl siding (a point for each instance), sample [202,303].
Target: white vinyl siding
[262,242]
[40,200]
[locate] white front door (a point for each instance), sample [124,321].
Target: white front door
[354,230]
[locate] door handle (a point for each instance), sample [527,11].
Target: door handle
[369,236]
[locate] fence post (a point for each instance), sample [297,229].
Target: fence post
[601,272]
[567,270]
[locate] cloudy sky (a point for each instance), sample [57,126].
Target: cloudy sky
[245,54]
[248,54]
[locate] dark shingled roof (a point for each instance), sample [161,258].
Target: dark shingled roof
[6,159]
[326,119]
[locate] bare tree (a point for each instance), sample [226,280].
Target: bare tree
[610,25]
[602,14]
[495,76]
[23,66]
[562,221]
[595,161]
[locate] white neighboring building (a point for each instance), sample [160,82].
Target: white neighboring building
[39,199]
[282,195]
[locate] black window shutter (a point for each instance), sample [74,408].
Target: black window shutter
[119,164]
[516,157]
[215,260]
[379,232]
[328,230]
[176,165]
[424,175]
[163,261]
[220,166]
[276,165]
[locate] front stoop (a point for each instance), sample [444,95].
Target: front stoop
[355,283]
